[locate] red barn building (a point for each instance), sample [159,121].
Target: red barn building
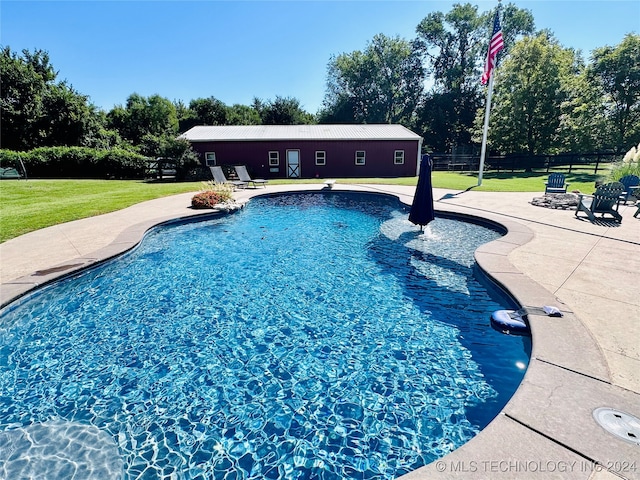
[310,151]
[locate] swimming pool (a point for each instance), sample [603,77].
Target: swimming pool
[307,336]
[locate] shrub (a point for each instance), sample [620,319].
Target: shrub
[212,194]
[120,163]
[177,149]
[78,162]
[207,199]
[629,165]
[11,159]
[197,173]
[223,188]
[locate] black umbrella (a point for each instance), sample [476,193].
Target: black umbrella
[421,211]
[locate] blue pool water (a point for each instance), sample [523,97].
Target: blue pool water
[307,336]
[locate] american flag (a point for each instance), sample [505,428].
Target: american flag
[495,45]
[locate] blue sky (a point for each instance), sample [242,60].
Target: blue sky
[238,50]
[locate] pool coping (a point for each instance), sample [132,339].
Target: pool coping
[564,383]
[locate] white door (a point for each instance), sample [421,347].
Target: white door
[293,163]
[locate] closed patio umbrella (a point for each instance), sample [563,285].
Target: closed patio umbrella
[421,211]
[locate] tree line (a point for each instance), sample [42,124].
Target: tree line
[547,98]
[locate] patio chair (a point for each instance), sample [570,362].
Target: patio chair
[631,184]
[219,177]
[603,201]
[243,175]
[555,184]
[9,173]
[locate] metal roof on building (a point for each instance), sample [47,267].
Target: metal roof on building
[298,132]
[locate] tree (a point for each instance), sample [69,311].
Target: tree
[382,84]
[37,111]
[209,111]
[167,146]
[186,116]
[617,72]
[438,123]
[141,116]
[454,47]
[242,115]
[531,86]
[21,96]
[340,109]
[583,126]
[451,44]
[70,120]
[282,111]
[516,22]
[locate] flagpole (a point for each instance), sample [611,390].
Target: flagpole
[485,130]
[495,45]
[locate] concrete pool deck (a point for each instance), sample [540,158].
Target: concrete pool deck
[589,358]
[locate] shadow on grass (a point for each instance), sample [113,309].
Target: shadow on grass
[570,177]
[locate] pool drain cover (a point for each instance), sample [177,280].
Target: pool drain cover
[624,426]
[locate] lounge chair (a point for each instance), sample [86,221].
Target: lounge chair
[243,175]
[219,177]
[629,182]
[9,173]
[603,201]
[555,184]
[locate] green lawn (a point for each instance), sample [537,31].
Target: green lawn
[28,205]
[491,182]
[512,182]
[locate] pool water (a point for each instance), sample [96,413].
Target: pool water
[307,336]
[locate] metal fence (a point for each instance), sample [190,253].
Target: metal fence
[566,162]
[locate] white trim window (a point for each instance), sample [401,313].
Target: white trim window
[360,157]
[274,159]
[210,159]
[398,157]
[321,157]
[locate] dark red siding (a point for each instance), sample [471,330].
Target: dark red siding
[340,157]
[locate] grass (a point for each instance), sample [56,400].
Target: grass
[30,205]
[511,182]
[491,182]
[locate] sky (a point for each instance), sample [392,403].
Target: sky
[239,50]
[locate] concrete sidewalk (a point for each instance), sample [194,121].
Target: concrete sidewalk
[590,358]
